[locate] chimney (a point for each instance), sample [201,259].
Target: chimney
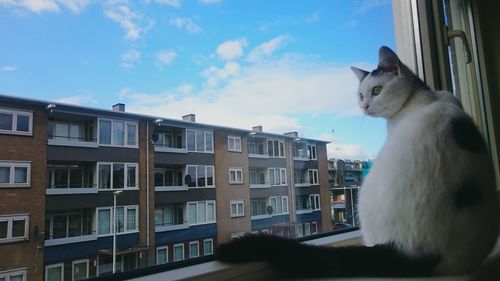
[119,107]
[292,134]
[257,129]
[189,118]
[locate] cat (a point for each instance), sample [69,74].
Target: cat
[428,206]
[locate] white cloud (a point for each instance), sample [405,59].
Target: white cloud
[312,18]
[8,68]
[231,49]
[339,150]
[266,49]
[129,58]
[83,99]
[131,21]
[166,57]
[368,5]
[186,23]
[208,2]
[171,3]
[270,93]
[41,6]
[214,74]
[76,6]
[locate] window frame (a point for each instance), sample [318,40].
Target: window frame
[312,152]
[12,165]
[7,274]
[15,113]
[56,265]
[206,148]
[191,243]
[166,254]
[206,176]
[283,181]
[234,140]
[198,203]
[211,240]
[125,133]
[315,176]
[125,176]
[183,253]
[235,170]
[315,200]
[125,220]
[10,221]
[237,203]
[281,148]
[78,262]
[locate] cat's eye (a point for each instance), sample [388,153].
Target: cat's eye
[376,90]
[360,96]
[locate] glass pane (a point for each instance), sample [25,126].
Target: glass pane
[75,132]
[59,227]
[3,229]
[131,134]
[75,225]
[103,221]
[131,179]
[104,132]
[192,213]
[193,250]
[202,212]
[178,253]
[62,131]
[201,176]
[169,215]
[159,177]
[190,179]
[200,141]
[233,209]
[158,217]
[190,140]
[161,256]
[6,121]
[169,178]
[4,174]
[119,220]
[208,247]
[210,212]
[23,123]
[15,277]
[118,133]
[80,271]
[131,219]
[61,177]
[104,176]
[210,176]
[76,178]
[209,141]
[54,274]
[118,175]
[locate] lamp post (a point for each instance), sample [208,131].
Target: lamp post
[116,193]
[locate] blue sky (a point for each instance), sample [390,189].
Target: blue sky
[281,64]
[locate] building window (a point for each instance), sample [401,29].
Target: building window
[117,133]
[314,227]
[234,143]
[117,175]
[199,141]
[68,224]
[315,202]
[257,147]
[168,177]
[307,229]
[80,270]
[162,255]
[15,174]
[54,272]
[277,176]
[237,208]
[311,151]
[199,176]
[127,219]
[169,215]
[276,148]
[208,247]
[194,249]
[178,252]
[13,228]
[313,176]
[14,275]
[259,206]
[299,232]
[279,204]
[201,212]
[16,122]
[235,175]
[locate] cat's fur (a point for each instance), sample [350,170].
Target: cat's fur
[428,204]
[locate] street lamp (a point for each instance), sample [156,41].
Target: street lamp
[116,193]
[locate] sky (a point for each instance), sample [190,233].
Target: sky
[281,64]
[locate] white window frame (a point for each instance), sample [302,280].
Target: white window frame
[313,197]
[313,151]
[16,113]
[314,227]
[237,204]
[206,176]
[280,153]
[10,220]
[166,254]
[198,203]
[314,172]
[125,133]
[73,268]
[197,243]
[183,253]
[12,165]
[283,200]
[125,228]
[125,176]
[236,171]
[206,149]
[281,172]
[7,275]
[61,265]
[284,204]
[211,247]
[234,140]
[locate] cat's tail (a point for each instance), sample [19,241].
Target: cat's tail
[291,258]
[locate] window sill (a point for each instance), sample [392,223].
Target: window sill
[16,133]
[260,186]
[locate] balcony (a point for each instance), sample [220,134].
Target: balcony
[257,148]
[79,189]
[170,149]
[68,227]
[70,178]
[259,178]
[170,140]
[71,130]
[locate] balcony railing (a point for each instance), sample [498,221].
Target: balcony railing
[72,141]
[265,184]
[166,148]
[172,188]
[170,227]
[70,189]
[68,239]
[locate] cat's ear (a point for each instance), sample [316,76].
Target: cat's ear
[388,61]
[360,73]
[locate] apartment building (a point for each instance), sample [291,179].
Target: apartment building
[71,177]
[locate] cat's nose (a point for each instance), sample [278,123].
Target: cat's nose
[365,106]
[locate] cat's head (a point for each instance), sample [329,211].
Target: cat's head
[385,90]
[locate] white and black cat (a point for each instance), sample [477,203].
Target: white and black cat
[427,207]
